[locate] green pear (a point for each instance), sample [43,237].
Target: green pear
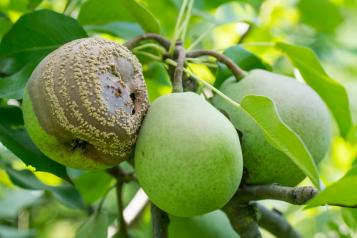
[188,157]
[84,103]
[298,106]
[211,225]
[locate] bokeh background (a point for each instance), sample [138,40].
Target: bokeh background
[328,27]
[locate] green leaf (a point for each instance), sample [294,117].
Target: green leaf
[352,171]
[14,200]
[349,216]
[95,227]
[5,24]
[340,193]
[125,30]
[14,85]
[263,111]
[326,19]
[331,91]
[233,12]
[242,57]
[93,185]
[14,136]
[157,80]
[11,232]
[32,4]
[104,11]
[64,193]
[43,31]
[166,12]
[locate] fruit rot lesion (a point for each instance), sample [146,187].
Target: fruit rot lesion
[89,94]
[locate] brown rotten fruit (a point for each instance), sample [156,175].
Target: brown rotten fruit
[84,103]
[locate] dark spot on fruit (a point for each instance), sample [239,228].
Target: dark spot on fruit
[132,96]
[118,92]
[78,144]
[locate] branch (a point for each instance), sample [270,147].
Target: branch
[122,225]
[119,175]
[148,36]
[243,219]
[236,70]
[293,195]
[177,81]
[275,223]
[160,222]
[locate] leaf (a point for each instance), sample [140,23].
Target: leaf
[94,227]
[32,4]
[331,91]
[14,200]
[5,24]
[14,85]
[44,31]
[349,216]
[243,58]
[95,12]
[338,193]
[263,111]
[352,171]
[10,232]
[14,136]
[125,30]
[93,185]
[64,193]
[157,80]
[233,12]
[326,19]
[166,12]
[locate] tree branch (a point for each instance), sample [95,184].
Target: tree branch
[119,175]
[243,218]
[275,223]
[293,195]
[177,81]
[160,222]
[236,70]
[122,225]
[148,36]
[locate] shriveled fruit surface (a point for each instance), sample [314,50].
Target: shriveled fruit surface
[299,107]
[84,103]
[188,156]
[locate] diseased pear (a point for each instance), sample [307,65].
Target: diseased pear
[84,103]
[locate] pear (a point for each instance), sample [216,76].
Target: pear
[211,225]
[84,103]
[188,157]
[299,107]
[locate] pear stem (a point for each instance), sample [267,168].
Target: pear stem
[177,80]
[274,222]
[148,36]
[121,178]
[160,222]
[235,69]
[293,195]
[243,218]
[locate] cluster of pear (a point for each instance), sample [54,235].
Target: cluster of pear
[86,106]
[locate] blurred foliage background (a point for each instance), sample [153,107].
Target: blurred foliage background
[46,206]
